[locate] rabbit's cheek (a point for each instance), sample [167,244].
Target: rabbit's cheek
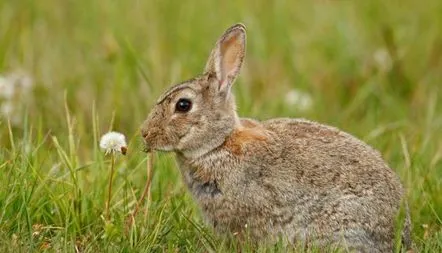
[181,126]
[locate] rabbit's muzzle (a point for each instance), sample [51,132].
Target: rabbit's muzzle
[149,138]
[156,138]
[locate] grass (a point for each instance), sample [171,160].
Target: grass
[372,69]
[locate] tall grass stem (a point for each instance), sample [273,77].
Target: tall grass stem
[146,192]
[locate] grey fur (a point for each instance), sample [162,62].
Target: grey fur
[290,178]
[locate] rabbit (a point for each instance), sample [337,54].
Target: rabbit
[282,178]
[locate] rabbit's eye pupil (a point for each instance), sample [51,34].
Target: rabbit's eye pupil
[183,105]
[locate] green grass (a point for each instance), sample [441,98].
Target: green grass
[373,68]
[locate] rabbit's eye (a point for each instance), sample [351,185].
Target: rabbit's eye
[183,105]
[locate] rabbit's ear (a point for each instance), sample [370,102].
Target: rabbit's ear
[226,58]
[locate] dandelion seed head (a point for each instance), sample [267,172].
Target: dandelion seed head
[113,142]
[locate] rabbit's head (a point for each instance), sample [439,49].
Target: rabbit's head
[197,115]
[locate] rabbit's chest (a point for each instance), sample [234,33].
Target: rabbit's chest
[214,198]
[206,191]
[221,207]
[225,208]
[226,201]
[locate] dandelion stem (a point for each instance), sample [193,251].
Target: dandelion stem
[109,194]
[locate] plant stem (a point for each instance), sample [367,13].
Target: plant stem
[109,194]
[146,191]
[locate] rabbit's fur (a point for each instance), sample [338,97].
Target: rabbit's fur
[282,178]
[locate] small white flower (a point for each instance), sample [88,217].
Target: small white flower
[15,83]
[7,88]
[15,88]
[383,59]
[113,142]
[26,83]
[55,169]
[6,108]
[299,99]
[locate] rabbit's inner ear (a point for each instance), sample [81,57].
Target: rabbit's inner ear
[226,59]
[232,55]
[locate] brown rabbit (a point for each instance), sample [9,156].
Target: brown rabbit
[282,178]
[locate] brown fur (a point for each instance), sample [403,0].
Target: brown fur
[293,179]
[242,137]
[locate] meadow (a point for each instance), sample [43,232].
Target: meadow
[81,68]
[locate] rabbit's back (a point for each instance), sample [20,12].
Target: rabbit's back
[323,157]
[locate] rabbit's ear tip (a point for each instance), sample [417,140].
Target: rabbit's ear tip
[240,25]
[237,26]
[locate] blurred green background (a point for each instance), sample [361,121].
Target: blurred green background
[71,70]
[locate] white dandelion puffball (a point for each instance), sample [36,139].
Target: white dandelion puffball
[301,100]
[113,142]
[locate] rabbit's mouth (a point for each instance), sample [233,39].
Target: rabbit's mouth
[146,149]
